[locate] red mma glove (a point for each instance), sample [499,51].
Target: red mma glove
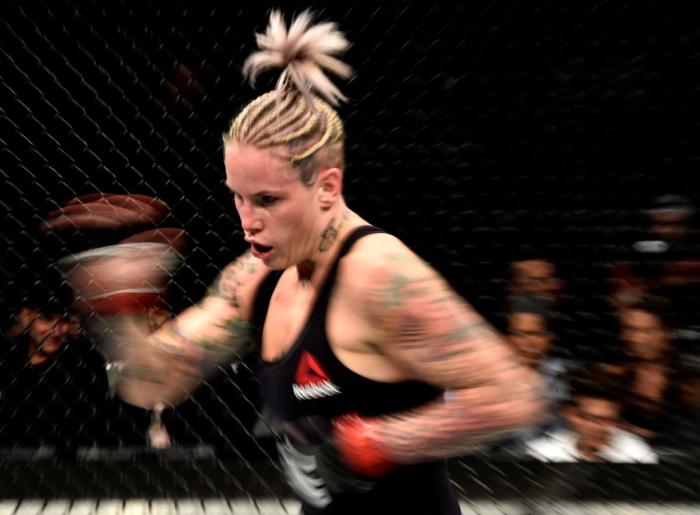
[357,447]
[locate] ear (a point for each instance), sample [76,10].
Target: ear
[330,187]
[26,317]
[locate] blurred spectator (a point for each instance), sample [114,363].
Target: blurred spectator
[531,337]
[529,334]
[535,275]
[47,328]
[594,432]
[669,218]
[645,331]
[651,370]
[53,386]
[581,329]
[664,261]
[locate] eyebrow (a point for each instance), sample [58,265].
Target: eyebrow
[261,193]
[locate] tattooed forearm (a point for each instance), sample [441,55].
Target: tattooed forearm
[467,420]
[166,366]
[232,339]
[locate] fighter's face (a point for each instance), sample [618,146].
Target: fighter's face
[49,332]
[279,214]
[644,335]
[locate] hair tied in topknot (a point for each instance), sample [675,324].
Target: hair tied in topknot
[303,51]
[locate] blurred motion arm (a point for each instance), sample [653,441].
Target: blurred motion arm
[118,285]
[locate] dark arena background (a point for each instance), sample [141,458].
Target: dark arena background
[483,134]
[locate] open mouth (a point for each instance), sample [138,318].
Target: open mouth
[260,249]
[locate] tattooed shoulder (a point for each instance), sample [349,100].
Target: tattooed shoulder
[398,278]
[376,281]
[419,321]
[406,297]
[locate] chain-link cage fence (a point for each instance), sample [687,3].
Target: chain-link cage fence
[492,137]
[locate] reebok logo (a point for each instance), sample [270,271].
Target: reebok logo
[310,380]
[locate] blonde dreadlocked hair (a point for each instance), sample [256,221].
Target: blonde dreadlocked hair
[298,112]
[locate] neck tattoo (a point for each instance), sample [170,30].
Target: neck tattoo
[328,236]
[330,233]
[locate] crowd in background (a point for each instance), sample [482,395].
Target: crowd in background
[629,392]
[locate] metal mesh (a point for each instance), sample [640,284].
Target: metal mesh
[479,134]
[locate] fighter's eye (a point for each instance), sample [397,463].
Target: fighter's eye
[268,200]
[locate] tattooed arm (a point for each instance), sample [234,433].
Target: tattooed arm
[423,328]
[167,365]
